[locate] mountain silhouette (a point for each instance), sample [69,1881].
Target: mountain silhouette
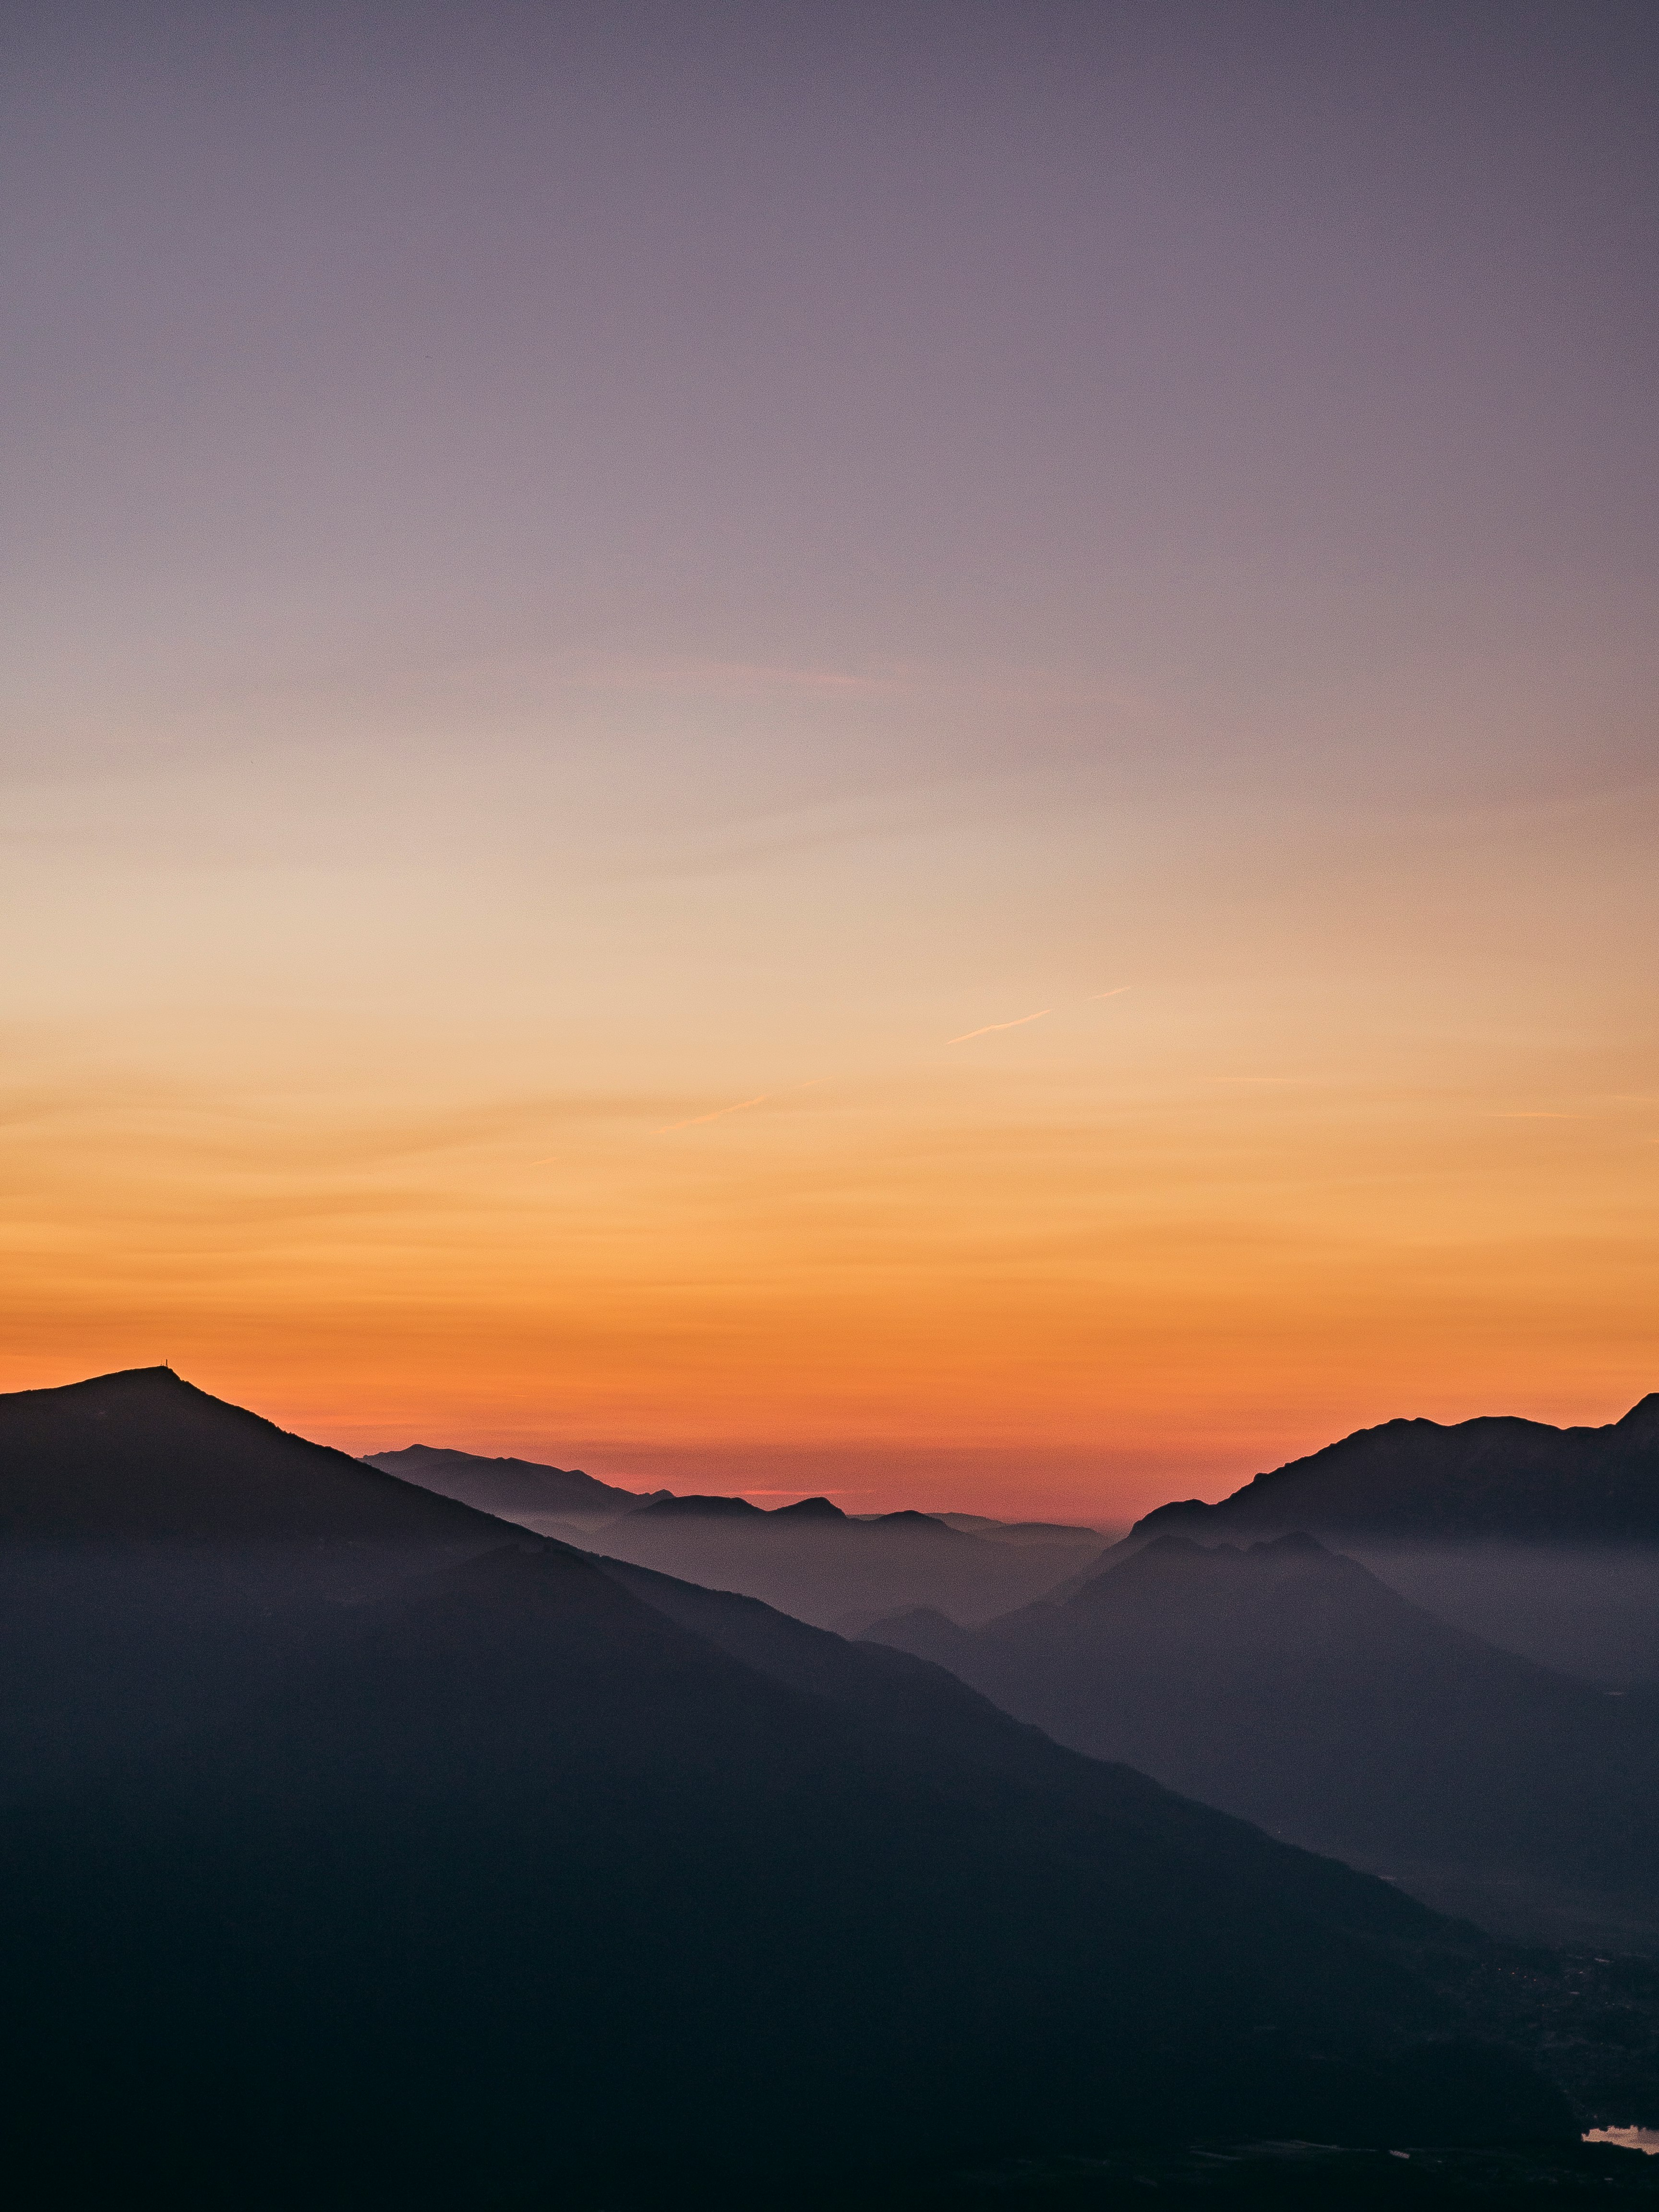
[698,1507]
[1293,1687]
[144,1456]
[164,1554]
[558,1878]
[1492,1480]
[396,1858]
[517,1488]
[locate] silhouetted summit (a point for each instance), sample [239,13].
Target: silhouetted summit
[1641,1423]
[1496,1479]
[699,1509]
[144,1455]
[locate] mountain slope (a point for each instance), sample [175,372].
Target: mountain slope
[163,1555]
[1293,1687]
[536,1884]
[517,1488]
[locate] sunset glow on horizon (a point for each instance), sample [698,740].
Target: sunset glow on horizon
[969,824]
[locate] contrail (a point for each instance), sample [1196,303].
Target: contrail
[989,1026]
[742,1106]
[719,1114]
[1118,993]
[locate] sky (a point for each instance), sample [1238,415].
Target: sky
[901,749]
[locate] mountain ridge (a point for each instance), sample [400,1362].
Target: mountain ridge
[1494,1478]
[511,1486]
[140,1454]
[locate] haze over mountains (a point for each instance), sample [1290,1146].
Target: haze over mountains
[552,1498]
[1294,1687]
[810,1558]
[1544,1541]
[506,1848]
[164,1556]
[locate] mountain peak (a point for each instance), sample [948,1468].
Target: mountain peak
[1297,1544]
[697,1508]
[142,1455]
[1641,1423]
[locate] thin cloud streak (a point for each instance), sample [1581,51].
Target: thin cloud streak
[990,1026]
[698,1120]
[719,1114]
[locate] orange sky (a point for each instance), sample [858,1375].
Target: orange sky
[1328,1157]
[920,771]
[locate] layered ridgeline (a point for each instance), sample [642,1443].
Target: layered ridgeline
[835,1569]
[1545,1540]
[521,1874]
[1293,1687]
[827,1567]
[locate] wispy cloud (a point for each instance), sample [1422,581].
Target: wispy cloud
[743,1105]
[991,1026]
[697,1120]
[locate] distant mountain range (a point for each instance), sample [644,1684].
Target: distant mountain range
[1293,1687]
[516,1876]
[1415,1482]
[824,1566]
[837,1569]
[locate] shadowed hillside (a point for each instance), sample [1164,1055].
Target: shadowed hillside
[521,1490]
[529,1844]
[163,1555]
[1293,1687]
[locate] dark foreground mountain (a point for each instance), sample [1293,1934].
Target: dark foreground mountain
[815,1561]
[163,1555]
[359,1851]
[1291,1686]
[536,1884]
[143,1456]
[521,1490]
